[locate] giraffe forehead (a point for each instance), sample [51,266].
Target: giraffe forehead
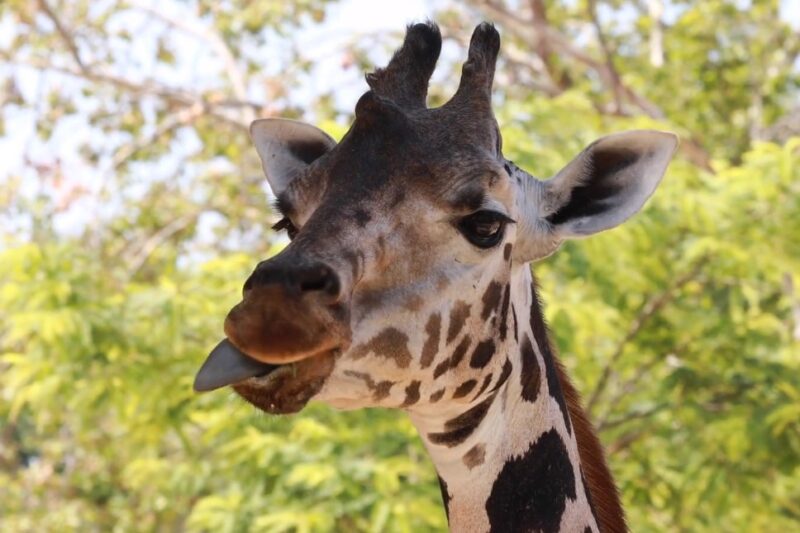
[365,193]
[425,156]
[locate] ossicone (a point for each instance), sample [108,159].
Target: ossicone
[477,74]
[405,79]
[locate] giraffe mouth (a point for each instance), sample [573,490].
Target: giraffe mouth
[274,388]
[278,351]
[227,365]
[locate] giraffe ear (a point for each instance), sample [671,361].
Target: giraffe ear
[286,147]
[601,188]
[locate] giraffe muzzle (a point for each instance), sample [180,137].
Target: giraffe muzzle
[288,313]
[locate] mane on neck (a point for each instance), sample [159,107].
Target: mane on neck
[604,496]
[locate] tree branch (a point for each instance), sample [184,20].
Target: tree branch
[213,39]
[647,311]
[611,71]
[794,304]
[147,87]
[542,47]
[137,260]
[624,442]
[64,33]
[655,10]
[181,118]
[559,43]
[627,388]
[518,59]
[633,415]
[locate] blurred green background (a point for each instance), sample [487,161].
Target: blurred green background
[132,207]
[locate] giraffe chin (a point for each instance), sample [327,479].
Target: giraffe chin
[274,388]
[287,388]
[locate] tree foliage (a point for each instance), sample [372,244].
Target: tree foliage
[137,208]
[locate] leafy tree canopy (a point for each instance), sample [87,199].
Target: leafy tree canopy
[133,207]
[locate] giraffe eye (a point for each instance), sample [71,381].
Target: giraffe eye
[286,224]
[484,229]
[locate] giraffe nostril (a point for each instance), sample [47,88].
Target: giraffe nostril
[311,278]
[319,278]
[314,284]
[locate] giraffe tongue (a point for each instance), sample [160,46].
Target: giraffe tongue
[226,365]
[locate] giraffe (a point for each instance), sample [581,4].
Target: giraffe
[407,284]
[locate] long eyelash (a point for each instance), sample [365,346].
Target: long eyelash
[500,216]
[286,224]
[282,206]
[283,223]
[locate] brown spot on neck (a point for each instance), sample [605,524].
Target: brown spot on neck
[483,353]
[531,491]
[412,394]
[458,316]
[530,374]
[454,360]
[484,385]
[516,325]
[436,396]
[380,389]
[464,389]
[458,429]
[491,299]
[431,346]
[390,343]
[504,374]
[475,456]
[504,312]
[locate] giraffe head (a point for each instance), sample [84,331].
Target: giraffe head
[405,236]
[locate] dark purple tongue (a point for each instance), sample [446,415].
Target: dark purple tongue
[226,365]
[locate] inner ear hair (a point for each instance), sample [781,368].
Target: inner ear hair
[597,183]
[608,182]
[286,147]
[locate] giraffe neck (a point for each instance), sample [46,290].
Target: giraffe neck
[512,460]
